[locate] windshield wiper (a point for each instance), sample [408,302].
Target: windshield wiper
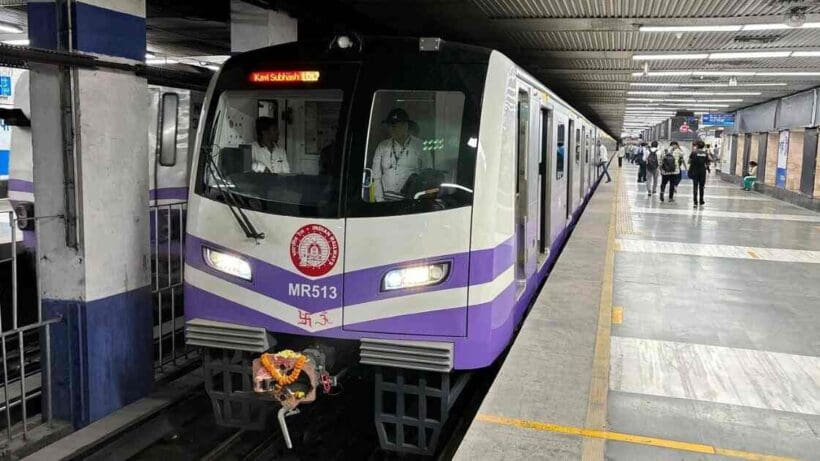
[230,200]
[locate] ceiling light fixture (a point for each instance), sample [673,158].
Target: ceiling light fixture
[727,27]
[704,85]
[658,57]
[689,93]
[20,42]
[10,28]
[728,73]
[750,55]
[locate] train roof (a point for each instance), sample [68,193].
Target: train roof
[363,49]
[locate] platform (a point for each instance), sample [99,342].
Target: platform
[667,332]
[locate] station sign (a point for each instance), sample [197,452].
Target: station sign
[718,119]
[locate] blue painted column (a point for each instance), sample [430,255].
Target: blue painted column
[102,354]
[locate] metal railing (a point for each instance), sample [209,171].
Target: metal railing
[167,275]
[25,350]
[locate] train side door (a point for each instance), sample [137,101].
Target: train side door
[558,177]
[525,214]
[545,167]
[572,169]
[583,147]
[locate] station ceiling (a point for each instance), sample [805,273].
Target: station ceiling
[608,58]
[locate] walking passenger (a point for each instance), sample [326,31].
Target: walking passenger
[639,159]
[669,173]
[603,159]
[698,164]
[680,160]
[651,169]
[621,156]
[750,179]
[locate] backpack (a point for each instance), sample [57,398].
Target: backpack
[669,163]
[652,160]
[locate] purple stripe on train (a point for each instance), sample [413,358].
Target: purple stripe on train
[21,185]
[359,286]
[470,352]
[168,193]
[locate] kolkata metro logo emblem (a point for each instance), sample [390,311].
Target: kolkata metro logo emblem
[314,250]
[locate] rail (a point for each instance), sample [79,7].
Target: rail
[167,275]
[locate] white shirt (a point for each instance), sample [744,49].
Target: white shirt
[393,163]
[603,155]
[275,161]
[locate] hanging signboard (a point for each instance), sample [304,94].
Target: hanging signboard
[782,157]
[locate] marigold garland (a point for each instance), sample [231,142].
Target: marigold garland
[274,370]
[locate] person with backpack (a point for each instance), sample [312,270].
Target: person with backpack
[669,173]
[651,165]
[698,164]
[680,160]
[639,159]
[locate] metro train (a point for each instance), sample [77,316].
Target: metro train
[429,187]
[172,110]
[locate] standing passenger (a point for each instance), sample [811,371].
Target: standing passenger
[621,156]
[698,164]
[651,168]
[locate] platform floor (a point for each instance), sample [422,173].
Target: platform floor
[707,343]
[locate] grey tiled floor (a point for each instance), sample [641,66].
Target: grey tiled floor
[706,330]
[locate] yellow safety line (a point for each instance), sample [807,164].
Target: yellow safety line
[593,449]
[602,436]
[617,315]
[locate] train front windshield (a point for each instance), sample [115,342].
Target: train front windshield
[277,149]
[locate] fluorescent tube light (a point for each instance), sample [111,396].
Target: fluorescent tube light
[664,57]
[718,28]
[20,42]
[805,54]
[10,28]
[727,27]
[780,26]
[750,55]
[787,74]
[689,93]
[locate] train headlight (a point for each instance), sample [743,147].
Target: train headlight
[415,276]
[227,263]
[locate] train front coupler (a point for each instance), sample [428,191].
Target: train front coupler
[292,379]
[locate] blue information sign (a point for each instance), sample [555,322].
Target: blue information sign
[5,86]
[717,119]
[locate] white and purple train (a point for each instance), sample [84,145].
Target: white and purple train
[168,168]
[427,188]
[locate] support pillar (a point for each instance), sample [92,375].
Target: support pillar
[90,143]
[253,27]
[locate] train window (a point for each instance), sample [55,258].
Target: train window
[561,151]
[167,139]
[278,149]
[414,148]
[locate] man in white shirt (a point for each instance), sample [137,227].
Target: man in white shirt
[603,159]
[266,154]
[396,158]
